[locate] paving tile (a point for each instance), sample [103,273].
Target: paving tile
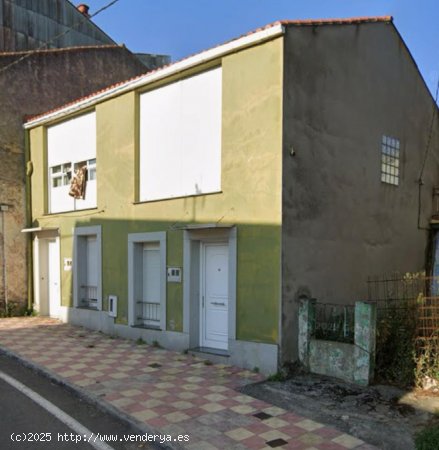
[308,425]
[176,417]
[243,409]
[152,403]
[215,397]
[212,407]
[239,434]
[187,395]
[170,392]
[274,434]
[131,393]
[145,414]
[274,411]
[182,405]
[347,441]
[275,422]
[310,439]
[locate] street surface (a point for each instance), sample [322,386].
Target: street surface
[26,425]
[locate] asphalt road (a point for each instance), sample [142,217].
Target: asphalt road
[24,424]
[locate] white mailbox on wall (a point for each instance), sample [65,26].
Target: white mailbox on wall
[174,274]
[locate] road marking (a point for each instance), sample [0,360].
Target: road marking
[55,411]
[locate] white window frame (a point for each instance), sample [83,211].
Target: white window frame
[180,136]
[136,242]
[63,174]
[79,242]
[69,167]
[390,160]
[68,143]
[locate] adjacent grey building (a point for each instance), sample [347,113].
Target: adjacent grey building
[356,202]
[30,25]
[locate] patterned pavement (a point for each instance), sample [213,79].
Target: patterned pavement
[171,393]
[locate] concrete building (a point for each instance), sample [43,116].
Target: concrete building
[227,186]
[34,79]
[47,24]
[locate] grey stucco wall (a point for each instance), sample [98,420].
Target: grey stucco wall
[345,87]
[45,80]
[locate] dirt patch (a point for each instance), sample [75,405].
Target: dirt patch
[384,416]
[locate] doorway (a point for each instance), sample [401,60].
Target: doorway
[214,295]
[47,276]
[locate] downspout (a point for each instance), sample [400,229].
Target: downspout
[28,197]
[3,209]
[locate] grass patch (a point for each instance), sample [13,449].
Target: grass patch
[140,341]
[278,376]
[428,438]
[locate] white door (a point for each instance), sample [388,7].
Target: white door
[53,277]
[214,296]
[150,310]
[91,287]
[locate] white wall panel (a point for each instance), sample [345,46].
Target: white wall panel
[72,140]
[60,199]
[180,138]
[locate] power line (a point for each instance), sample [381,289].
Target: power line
[42,47]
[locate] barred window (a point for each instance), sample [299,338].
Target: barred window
[390,160]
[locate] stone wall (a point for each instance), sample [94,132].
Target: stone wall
[349,362]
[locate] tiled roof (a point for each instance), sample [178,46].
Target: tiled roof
[309,22]
[348,21]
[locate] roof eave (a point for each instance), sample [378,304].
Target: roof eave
[187,63]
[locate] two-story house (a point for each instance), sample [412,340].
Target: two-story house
[195,205]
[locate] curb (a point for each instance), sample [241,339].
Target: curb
[136,426]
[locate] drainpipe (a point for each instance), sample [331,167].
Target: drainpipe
[3,209]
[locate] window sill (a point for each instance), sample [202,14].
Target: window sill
[147,327]
[204,194]
[70,211]
[88,308]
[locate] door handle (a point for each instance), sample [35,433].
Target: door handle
[218,304]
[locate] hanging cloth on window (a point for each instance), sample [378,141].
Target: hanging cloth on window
[77,184]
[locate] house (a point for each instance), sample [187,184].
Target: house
[223,188]
[50,53]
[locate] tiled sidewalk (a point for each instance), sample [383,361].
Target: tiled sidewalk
[172,393]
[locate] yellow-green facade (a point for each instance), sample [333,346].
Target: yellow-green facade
[250,200]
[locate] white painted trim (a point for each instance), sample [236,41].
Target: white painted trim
[41,237]
[37,229]
[84,232]
[36,273]
[187,63]
[141,238]
[228,235]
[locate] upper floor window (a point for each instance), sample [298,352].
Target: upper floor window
[71,156]
[390,152]
[180,138]
[60,175]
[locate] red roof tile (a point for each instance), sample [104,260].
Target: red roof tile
[307,22]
